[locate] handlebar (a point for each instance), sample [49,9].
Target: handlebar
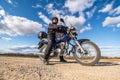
[71,26]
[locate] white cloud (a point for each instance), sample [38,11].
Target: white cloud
[90,13]
[23,49]
[44,18]
[5,38]
[118,25]
[19,49]
[115,11]
[15,25]
[10,1]
[76,21]
[78,5]
[54,12]
[107,8]
[49,6]
[2,12]
[37,6]
[109,21]
[109,47]
[85,28]
[110,51]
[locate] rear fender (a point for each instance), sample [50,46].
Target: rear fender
[44,41]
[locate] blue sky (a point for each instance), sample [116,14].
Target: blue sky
[21,20]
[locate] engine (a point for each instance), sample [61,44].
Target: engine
[60,48]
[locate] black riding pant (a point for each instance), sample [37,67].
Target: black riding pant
[51,42]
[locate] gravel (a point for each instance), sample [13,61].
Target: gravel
[17,68]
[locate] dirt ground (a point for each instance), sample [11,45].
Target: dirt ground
[18,68]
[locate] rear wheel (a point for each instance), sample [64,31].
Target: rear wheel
[90,57]
[42,52]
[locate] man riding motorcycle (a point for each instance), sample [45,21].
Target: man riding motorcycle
[53,31]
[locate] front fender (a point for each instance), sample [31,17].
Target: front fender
[82,40]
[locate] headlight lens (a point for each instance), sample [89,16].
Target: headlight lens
[74,33]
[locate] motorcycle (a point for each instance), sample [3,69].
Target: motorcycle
[84,51]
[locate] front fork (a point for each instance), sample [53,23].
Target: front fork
[82,50]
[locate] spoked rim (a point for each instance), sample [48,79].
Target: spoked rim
[90,53]
[42,52]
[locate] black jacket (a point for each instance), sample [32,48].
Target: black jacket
[53,29]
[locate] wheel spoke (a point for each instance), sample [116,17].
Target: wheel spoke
[42,52]
[91,55]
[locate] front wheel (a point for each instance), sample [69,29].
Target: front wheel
[90,57]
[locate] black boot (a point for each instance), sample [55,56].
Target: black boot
[45,61]
[62,59]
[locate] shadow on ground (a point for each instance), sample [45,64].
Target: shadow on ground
[58,62]
[75,62]
[107,64]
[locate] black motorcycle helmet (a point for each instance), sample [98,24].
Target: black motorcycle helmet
[54,20]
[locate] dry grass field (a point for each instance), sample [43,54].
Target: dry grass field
[18,68]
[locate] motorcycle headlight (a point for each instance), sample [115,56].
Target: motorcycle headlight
[74,32]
